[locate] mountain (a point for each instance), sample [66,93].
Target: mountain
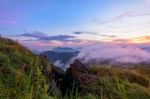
[62,54]
[64,49]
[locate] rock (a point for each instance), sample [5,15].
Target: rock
[77,74]
[57,73]
[75,77]
[80,72]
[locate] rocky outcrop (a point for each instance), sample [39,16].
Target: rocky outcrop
[81,73]
[75,77]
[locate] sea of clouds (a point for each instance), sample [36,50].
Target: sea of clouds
[122,53]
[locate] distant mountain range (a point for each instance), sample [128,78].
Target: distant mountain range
[61,54]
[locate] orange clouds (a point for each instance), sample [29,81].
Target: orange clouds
[137,40]
[144,39]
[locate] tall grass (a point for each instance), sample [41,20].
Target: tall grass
[24,85]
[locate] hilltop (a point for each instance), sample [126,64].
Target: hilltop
[22,74]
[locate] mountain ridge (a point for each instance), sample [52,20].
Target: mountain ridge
[62,54]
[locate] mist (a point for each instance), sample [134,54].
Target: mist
[117,53]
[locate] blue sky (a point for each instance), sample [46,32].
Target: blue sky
[58,16]
[52,23]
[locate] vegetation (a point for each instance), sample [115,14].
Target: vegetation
[21,75]
[122,83]
[24,75]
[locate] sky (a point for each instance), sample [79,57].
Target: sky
[115,30]
[50,23]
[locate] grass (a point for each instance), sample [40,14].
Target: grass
[21,74]
[121,83]
[21,85]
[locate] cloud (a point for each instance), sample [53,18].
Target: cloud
[129,24]
[41,46]
[94,33]
[108,36]
[59,38]
[147,1]
[35,34]
[136,40]
[143,39]
[77,32]
[44,37]
[141,11]
[40,41]
[113,52]
[124,15]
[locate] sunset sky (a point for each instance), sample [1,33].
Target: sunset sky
[68,22]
